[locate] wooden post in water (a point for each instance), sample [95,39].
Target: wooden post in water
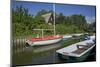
[18,44]
[22,44]
[13,46]
[15,43]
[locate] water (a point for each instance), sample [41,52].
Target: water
[44,54]
[52,57]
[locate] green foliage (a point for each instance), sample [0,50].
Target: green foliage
[23,23]
[63,29]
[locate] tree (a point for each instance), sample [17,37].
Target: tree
[61,19]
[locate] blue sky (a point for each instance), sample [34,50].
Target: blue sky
[87,11]
[33,7]
[66,9]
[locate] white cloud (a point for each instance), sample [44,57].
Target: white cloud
[90,19]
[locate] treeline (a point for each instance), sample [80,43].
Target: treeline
[23,23]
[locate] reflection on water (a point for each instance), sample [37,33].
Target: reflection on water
[52,57]
[46,54]
[45,48]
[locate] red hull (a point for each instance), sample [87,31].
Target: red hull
[45,38]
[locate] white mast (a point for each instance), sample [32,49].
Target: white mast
[54,18]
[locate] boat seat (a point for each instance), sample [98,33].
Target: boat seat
[78,46]
[81,50]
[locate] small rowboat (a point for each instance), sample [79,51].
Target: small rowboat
[78,51]
[44,40]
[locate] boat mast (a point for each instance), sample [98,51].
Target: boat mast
[54,18]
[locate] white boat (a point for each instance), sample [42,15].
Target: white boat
[78,34]
[44,40]
[92,37]
[78,51]
[67,36]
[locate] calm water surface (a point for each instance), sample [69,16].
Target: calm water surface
[47,54]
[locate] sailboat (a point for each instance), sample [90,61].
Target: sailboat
[45,40]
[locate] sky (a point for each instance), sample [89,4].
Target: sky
[88,11]
[33,7]
[66,9]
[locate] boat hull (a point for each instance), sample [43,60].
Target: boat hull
[75,59]
[45,42]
